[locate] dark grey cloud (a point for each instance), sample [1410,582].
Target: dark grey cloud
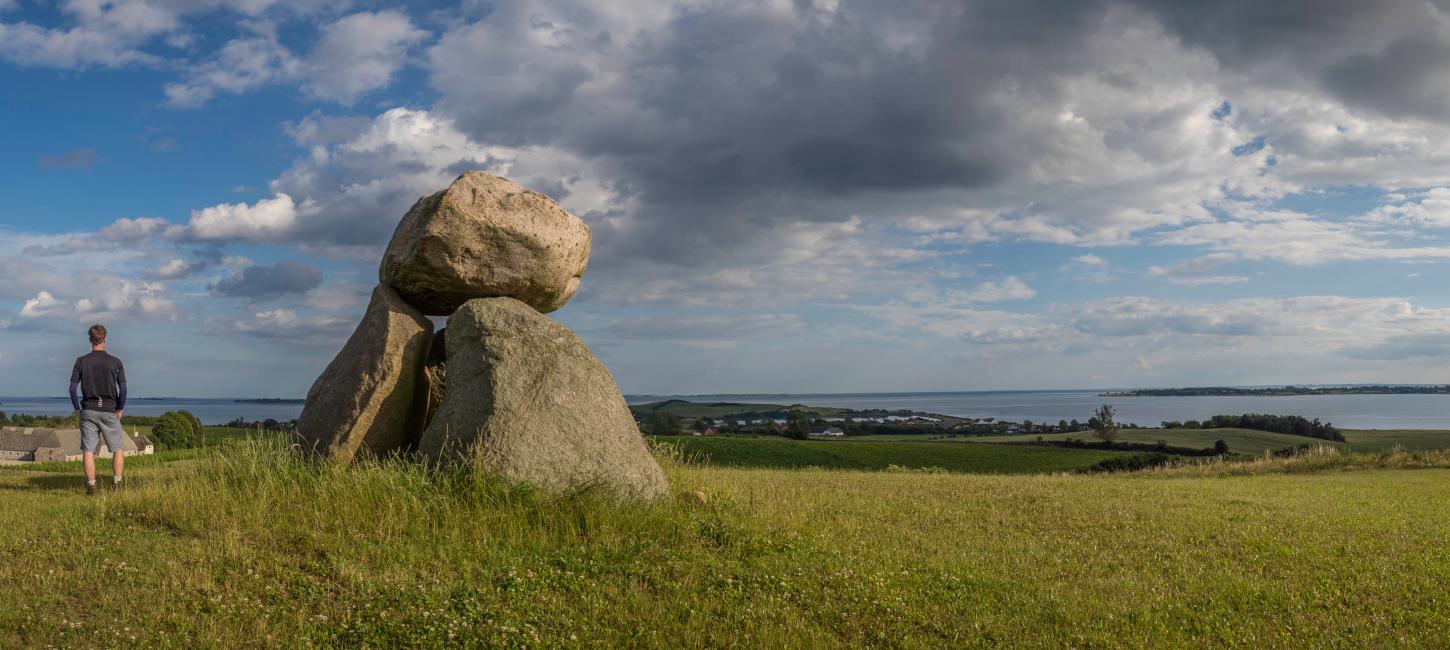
[78,159]
[725,118]
[713,127]
[256,282]
[1389,56]
[729,115]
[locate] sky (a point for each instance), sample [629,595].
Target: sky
[785,195]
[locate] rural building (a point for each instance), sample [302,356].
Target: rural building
[827,431]
[40,444]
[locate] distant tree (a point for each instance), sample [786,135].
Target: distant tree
[1105,427]
[798,425]
[178,429]
[1290,424]
[1220,447]
[1192,424]
[1074,426]
[3,420]
[1027,425]
[701,424]
[1062,425]
[662,423]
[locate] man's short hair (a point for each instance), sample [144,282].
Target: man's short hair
[97,333]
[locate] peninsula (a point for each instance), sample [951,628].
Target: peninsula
[1281,391]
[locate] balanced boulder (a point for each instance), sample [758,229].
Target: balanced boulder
[527,400]
[482,237]
[366,401]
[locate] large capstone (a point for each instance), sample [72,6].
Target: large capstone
[365,402]
[527,400]
[483,237]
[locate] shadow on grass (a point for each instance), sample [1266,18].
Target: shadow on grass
[55,482]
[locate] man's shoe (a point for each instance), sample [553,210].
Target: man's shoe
[118,486]
[90,489]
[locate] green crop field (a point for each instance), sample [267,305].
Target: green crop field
[1378,439]
[741,451]
[1249,441]
[1240,441]
[246,545]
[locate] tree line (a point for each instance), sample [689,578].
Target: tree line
[1291,424]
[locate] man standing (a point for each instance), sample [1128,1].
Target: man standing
[102,380]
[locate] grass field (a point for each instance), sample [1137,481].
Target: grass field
[1248,441]
[1240,441]
[733,451]
[1378,439]
[250,547]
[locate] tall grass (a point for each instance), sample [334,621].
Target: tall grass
[254,545]
[1317,458]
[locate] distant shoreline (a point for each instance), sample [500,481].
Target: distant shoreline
[1282,391]
[269,400]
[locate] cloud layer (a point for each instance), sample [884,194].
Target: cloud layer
[1111,177]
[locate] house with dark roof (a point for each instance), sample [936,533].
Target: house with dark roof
[42,444]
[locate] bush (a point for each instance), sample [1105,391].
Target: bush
[1130,463]
[1290,424]
[662,423]
[178,430]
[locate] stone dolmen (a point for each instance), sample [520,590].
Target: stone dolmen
[502,387]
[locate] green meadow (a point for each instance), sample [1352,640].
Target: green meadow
[1240,441]
[1249,441]
[746,451]
[248,545]
[1382,439]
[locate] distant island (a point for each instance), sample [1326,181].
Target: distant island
[1222,391]
[269,400]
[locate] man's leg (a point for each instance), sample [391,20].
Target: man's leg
[115,441]
[90,442]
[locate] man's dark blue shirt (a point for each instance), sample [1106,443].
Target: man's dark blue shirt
[102,380]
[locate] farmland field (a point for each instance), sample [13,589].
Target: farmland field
[1378,439]
[248,546]
[1240,441]
[742,451]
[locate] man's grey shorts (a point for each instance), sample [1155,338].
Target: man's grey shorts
[95,423]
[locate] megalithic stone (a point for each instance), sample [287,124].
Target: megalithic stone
[435,376]
[364,402]
[482,237]
[527,400]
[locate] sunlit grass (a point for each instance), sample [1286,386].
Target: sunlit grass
[250,545]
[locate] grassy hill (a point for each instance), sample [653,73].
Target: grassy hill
[1378,439]
[251,547]
[1240,441]
[732,451]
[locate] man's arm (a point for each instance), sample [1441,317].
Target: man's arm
[75,382]
[120,388]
